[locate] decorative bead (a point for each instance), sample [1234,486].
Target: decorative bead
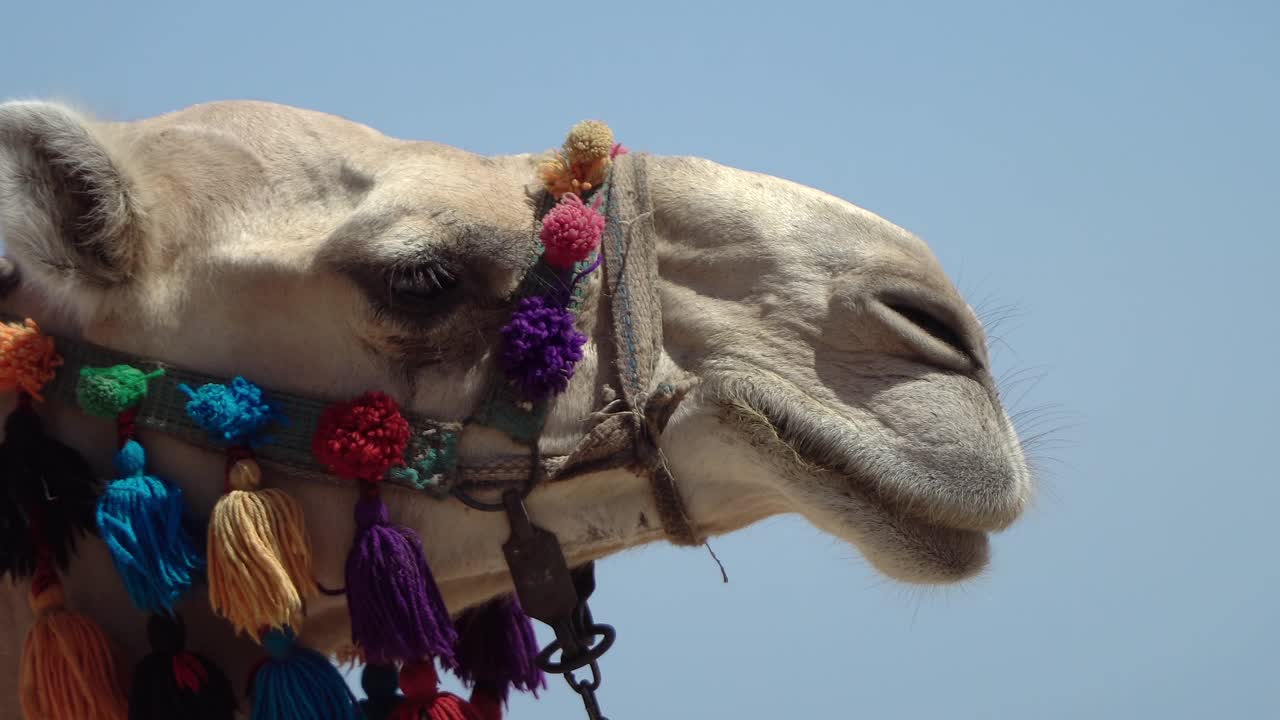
[244,474]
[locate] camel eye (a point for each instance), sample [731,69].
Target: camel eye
[420,287]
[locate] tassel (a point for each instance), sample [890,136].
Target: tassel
[497,649]
[144,523]
[381,685]
[39,475]
[424,700]
[259,556]
[396,609]
[487,704]
[141,518]
[297,683]
[67,669]
[173,683]
[397,613]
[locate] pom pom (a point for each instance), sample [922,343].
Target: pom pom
[498,650]
[296,682]
[423,698]
[588,141]
[173,683]
[107,392]
[235,413]
[618,151]
[28,358]
[397,613]
[41,479]
[363,438]
[259,559]
[67,669]
[570,232]
[541,346]
[145,525]
[381,685]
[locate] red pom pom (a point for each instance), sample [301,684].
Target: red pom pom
[423,699]
[570,232]
[363,438]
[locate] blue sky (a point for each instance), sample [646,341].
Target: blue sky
[1098,177]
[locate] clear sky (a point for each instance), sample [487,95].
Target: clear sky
[1100,177]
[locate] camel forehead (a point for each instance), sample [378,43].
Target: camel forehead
[300,175]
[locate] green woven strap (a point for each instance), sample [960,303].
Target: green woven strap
[430,460]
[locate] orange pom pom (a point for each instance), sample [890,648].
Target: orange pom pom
[28,358]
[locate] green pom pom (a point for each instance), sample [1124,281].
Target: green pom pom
[107,392]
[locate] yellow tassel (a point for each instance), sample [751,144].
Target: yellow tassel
[259,560]
[67,666]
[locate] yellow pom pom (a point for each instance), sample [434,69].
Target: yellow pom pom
[588,141]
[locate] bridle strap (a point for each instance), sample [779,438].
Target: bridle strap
[632,284]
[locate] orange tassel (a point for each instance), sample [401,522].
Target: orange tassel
[259,555]
[67,668]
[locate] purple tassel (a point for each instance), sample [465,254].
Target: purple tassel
[397,613]
[497,649]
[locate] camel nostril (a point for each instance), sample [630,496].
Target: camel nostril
[935,325]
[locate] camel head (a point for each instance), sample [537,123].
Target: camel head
[841,374]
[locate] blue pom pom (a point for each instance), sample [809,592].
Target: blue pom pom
[296,682]
[144,523]
[235,413]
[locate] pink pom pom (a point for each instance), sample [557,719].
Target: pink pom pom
[570,232]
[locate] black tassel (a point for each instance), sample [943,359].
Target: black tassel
[172,683]
[381,684]
[41,478]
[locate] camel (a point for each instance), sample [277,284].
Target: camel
[840,374]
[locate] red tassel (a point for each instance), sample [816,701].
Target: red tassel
[423,698]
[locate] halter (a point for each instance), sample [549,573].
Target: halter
[623,436]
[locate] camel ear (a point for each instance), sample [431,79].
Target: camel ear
[68,211]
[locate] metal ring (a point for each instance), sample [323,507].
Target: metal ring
[588,657]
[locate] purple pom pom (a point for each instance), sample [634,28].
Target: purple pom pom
[498,650]
[541,347]
[396,609]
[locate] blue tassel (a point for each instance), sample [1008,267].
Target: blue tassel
[144,523]
[297,683]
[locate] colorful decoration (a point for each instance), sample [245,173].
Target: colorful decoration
[570,232]
[424,699]
[28,358]
[540,347]
[296,682]
[583,163]
[142,518]
[497,650]
[396,610]
[171,682]
[259,553]
[67,668]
